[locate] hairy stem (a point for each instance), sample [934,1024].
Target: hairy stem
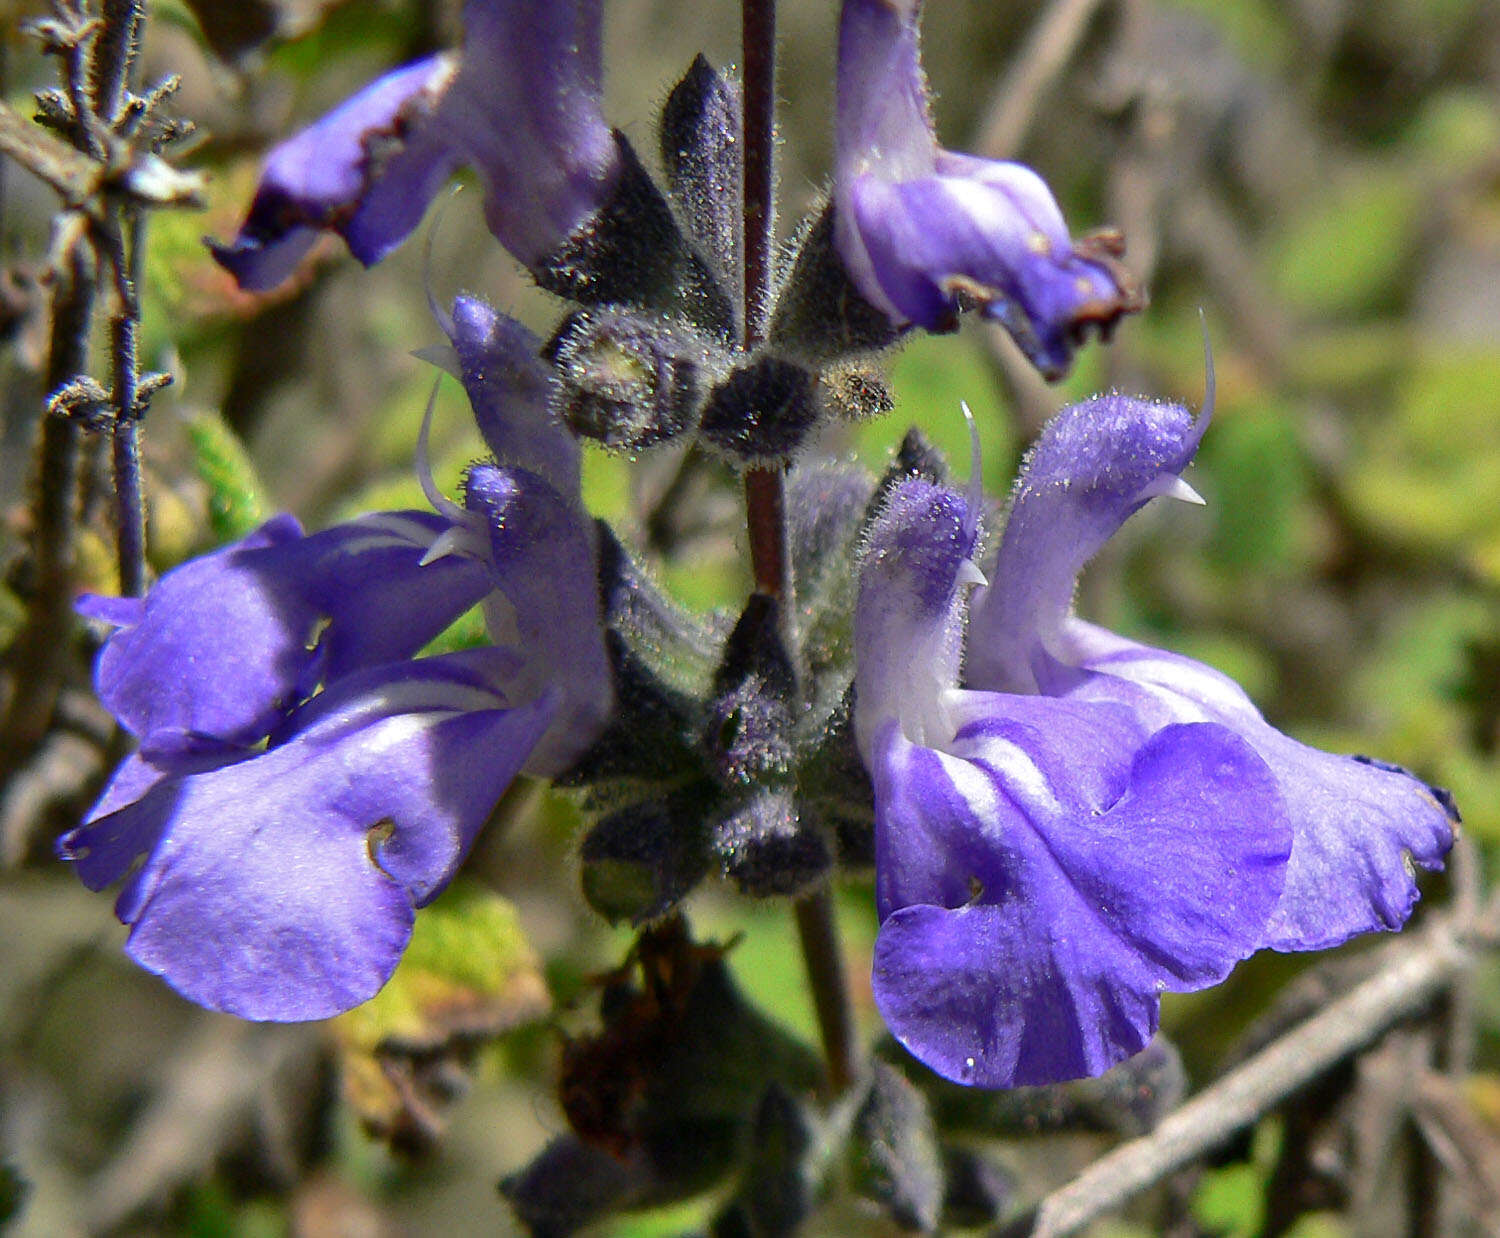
[125,432]
[763,486]
[766,520]
[38,657]
[765,507]
[114,51]
[758,41]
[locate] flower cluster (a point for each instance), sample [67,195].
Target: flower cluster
[1063,823]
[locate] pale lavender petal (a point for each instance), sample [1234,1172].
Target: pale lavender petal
[282,887]
[510,389]
[1358,826]
[908,619]
[1080,913]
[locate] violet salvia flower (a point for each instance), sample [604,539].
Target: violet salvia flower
[289,835]
[1085,822]
[925,232]
[520,105]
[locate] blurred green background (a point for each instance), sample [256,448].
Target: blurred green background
[1318,179]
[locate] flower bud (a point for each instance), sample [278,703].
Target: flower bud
[925,232]
[628,380]
[763,411]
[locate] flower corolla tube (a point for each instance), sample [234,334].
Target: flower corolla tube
[303,782]
[925,232]
[1069,823]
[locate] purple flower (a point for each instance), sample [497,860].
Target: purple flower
[303,783]
[520,105]
[1086,822]
[925,232]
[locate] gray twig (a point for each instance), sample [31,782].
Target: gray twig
[1044,55]
[37,657]
[1412,974]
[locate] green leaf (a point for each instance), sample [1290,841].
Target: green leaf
[223,465]
[1348,253]
[468,631]
[1232,1201]
[1419,480]
[468,976]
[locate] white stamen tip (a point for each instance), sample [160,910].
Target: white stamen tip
[976,470]
[969,574]
[1210,386]
[443,355]
[1169,487]
[448,542]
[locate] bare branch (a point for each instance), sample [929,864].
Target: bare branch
[1412,974]
[1044,55]
[71,174]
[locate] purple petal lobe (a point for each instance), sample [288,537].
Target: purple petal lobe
[282,887]
[226,643]
[1356,824]
[323,178]
[216,652]
[367,580]
[1080,913]
[551,161]
[544,563]
[117,612]
[883,124]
